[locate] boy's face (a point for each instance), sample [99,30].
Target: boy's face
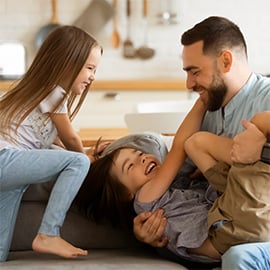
[134,168]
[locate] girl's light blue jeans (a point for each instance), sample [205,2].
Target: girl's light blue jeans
[251,256]
[20,168]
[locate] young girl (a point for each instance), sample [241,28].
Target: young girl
[35,114]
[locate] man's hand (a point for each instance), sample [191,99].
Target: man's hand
[149,228]
[247,146]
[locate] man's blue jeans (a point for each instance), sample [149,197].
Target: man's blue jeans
[20,168]
[252,256]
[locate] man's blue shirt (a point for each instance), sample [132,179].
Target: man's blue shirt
[253,97]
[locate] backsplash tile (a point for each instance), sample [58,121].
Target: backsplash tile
[21,22]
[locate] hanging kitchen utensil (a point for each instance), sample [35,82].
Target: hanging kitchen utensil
[129,50]
[145,52]
[47,29]
[95,16]
[167,16]
[115,35]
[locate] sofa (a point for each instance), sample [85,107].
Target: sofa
[109,248]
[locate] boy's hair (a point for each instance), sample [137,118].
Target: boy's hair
[104,198]
[217,34]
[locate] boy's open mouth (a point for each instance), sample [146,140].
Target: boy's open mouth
[150,167]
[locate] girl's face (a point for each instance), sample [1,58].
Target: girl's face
[134,168]
[87,73]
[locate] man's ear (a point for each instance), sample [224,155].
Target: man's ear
[225,60]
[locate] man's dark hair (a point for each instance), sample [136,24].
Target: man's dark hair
[217,33]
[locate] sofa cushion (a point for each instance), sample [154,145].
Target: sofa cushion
[77,229]
[38,192]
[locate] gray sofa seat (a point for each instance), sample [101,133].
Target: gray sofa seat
[97,259]
[109,248]
[77,229]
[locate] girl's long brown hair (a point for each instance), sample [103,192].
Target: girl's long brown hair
[58,61]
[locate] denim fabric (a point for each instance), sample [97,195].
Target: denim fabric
[252,256]
[20,168]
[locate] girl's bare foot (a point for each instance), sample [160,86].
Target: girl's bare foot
[56,245]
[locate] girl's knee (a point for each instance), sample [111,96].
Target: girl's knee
[82,160]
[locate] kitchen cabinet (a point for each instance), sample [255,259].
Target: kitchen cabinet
[90,136]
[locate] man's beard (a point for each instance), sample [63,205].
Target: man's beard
[216,94]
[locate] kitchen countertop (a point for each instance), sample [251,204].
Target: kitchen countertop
[126,85]
[90,136]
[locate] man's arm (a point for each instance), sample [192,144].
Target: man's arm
[151,231]
[248,145]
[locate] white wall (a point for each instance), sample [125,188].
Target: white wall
[22,21]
